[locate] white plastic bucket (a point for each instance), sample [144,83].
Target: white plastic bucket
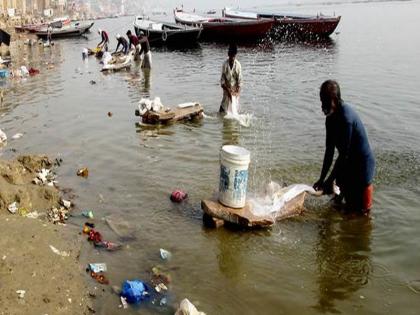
[234,161]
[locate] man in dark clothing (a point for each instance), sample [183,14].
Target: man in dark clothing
[145,49]
[355,166]
[104,39]
[123,42]
[133,43]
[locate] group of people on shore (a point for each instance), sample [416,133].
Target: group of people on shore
[140,45]
[354,167]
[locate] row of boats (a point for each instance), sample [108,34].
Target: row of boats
[232,25]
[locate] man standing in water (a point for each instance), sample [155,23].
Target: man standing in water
[355,166]
[145,49]
[231,78]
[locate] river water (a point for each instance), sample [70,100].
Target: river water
[320,262]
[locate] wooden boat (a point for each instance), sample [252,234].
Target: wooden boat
[73,30]
[182,112]
[32,28]
[225,29]
[161,33]
[292,25]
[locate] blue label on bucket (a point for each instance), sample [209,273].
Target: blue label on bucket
[240,184]
[224,178]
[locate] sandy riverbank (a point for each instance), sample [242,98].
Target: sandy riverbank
[53,283]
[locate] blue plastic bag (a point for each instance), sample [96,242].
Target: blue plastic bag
[134,291]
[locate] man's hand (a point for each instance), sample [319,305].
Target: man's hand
[328,187]
[318,185]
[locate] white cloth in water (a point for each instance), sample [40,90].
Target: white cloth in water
[146,104]
[106,57]
[276,198]
[232,79]
[233,113]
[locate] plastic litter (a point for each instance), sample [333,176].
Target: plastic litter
[97,267]
[94,236]
[178,195]
[161,287]
[13,207]
[83,172]
[163,301]
[134,291]
[66,203]
[59,252]
[57,216]
[99,277]
[164,254]
[17,136]
[33,71]
[159,277]
[24,71]
[88,214]
[33,215]
[44,177]
[124,302]
[110,246]
[3,137]
[21,293]
[187,308]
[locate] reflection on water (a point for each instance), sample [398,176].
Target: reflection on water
[343,258]
[231,131]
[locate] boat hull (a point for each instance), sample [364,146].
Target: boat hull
[293,25]
[70,32]
[220,30]
[170,37]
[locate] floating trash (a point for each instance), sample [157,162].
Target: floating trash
[164,254]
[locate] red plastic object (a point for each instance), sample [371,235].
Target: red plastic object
[178,195]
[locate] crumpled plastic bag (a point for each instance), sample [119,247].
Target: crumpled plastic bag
[3,137]
[187,308]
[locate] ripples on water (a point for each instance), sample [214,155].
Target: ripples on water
[320,262]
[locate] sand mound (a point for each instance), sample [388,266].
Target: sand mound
[16,184]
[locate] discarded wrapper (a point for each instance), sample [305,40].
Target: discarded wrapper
[21,293]
[97,267]
[164,254]
[83,172]
[66,203]
[12,207]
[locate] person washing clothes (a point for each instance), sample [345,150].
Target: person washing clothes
[231,79]
[354,168]
[104,39]
[134,43]
[123,42]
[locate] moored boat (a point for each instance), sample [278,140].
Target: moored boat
[72,30]
[292,24]
[225,29]
[32,28]
[161,33]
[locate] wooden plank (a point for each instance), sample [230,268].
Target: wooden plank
[174,114]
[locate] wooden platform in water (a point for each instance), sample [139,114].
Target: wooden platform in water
[215,214]
[173,114]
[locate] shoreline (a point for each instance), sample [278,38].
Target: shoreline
[37,257]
